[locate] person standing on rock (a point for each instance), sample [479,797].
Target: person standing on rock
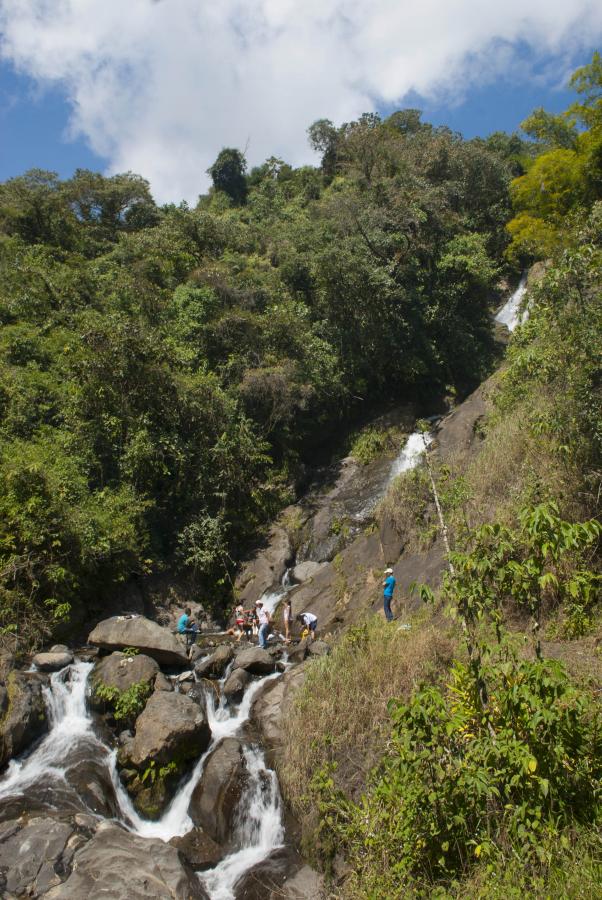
[287,614]
[188,627]
[310,622]
[389,587]
[264,624]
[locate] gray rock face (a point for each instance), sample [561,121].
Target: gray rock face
[200,850]
[25,719]
[256,661]
[215,799]
[171,725]
[123,866]
[235,684]
[121,672]
[162,683]
[298,652]
[31,854]
[318,648]
[215,664]
[265,571]
[53,660]
[272,704]
[305,570]
[139,632]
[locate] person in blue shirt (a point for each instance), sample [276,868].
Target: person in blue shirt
[188,627]
[389,587]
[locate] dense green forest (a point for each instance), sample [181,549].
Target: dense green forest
[167,371]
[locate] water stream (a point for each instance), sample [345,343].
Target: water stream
[510,314]
[259,826]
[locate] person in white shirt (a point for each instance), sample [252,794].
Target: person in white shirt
[265,621]
[309,621]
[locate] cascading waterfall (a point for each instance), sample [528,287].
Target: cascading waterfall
[411,453]
[259,828]
[510,315]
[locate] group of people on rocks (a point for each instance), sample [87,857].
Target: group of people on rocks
[254,621]
[258,619]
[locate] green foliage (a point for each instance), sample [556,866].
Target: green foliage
[228,174]
[126,705]
[447,795]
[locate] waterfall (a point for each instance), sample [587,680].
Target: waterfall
[510,315]
[258,830]
[410,454]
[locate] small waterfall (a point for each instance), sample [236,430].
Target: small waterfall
[70,727]
[510,315]
[410,454]
[258,831]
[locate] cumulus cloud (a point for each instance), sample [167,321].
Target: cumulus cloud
[159,86]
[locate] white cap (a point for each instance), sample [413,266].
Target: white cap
[388,571]
[259,603]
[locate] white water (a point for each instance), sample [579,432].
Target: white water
[410,455]
[259,827]
[258,830]
[70,725]
[510,315]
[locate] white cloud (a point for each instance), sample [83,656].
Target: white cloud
[159,86]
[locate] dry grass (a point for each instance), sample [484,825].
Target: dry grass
[340,714]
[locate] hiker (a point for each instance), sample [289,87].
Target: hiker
[389,587]
[310,622]
[264,624]
[287,614]
[188,627]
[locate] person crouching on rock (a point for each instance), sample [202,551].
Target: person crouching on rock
[188,627]
[310,622]
[264,624]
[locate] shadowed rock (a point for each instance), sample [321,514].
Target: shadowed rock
[139,632]
[31,855]
[53,661]
[25,719]
[215,799]
[200,850]
[215,664]
[235,684]
[256,661]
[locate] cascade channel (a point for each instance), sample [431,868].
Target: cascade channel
[45,780]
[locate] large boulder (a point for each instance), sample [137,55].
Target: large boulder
[272,705]
[123,866]
[25,718]
[256,661]
[32,855]
[53,661]
[235,684]
[216,797]
[139,632]
[122,671]
[200,850]
[172,726]
[215,664]
[318,648]
[305,570]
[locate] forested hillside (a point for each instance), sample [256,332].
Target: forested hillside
[166,371]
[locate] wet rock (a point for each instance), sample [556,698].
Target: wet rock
[215,665]
[162,683]
[31,855]
[318,648]
[305,570]
[235,684]
[215,799]
[282,875]
[139,632]
[90,779]
[172,726]
[123,866]
[121,671]
[200,850]
[25,719]
[256,661]
[52,661]
[185,676]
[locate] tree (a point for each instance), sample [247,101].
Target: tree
[228,174]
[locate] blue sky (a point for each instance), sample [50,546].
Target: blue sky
[160,87]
